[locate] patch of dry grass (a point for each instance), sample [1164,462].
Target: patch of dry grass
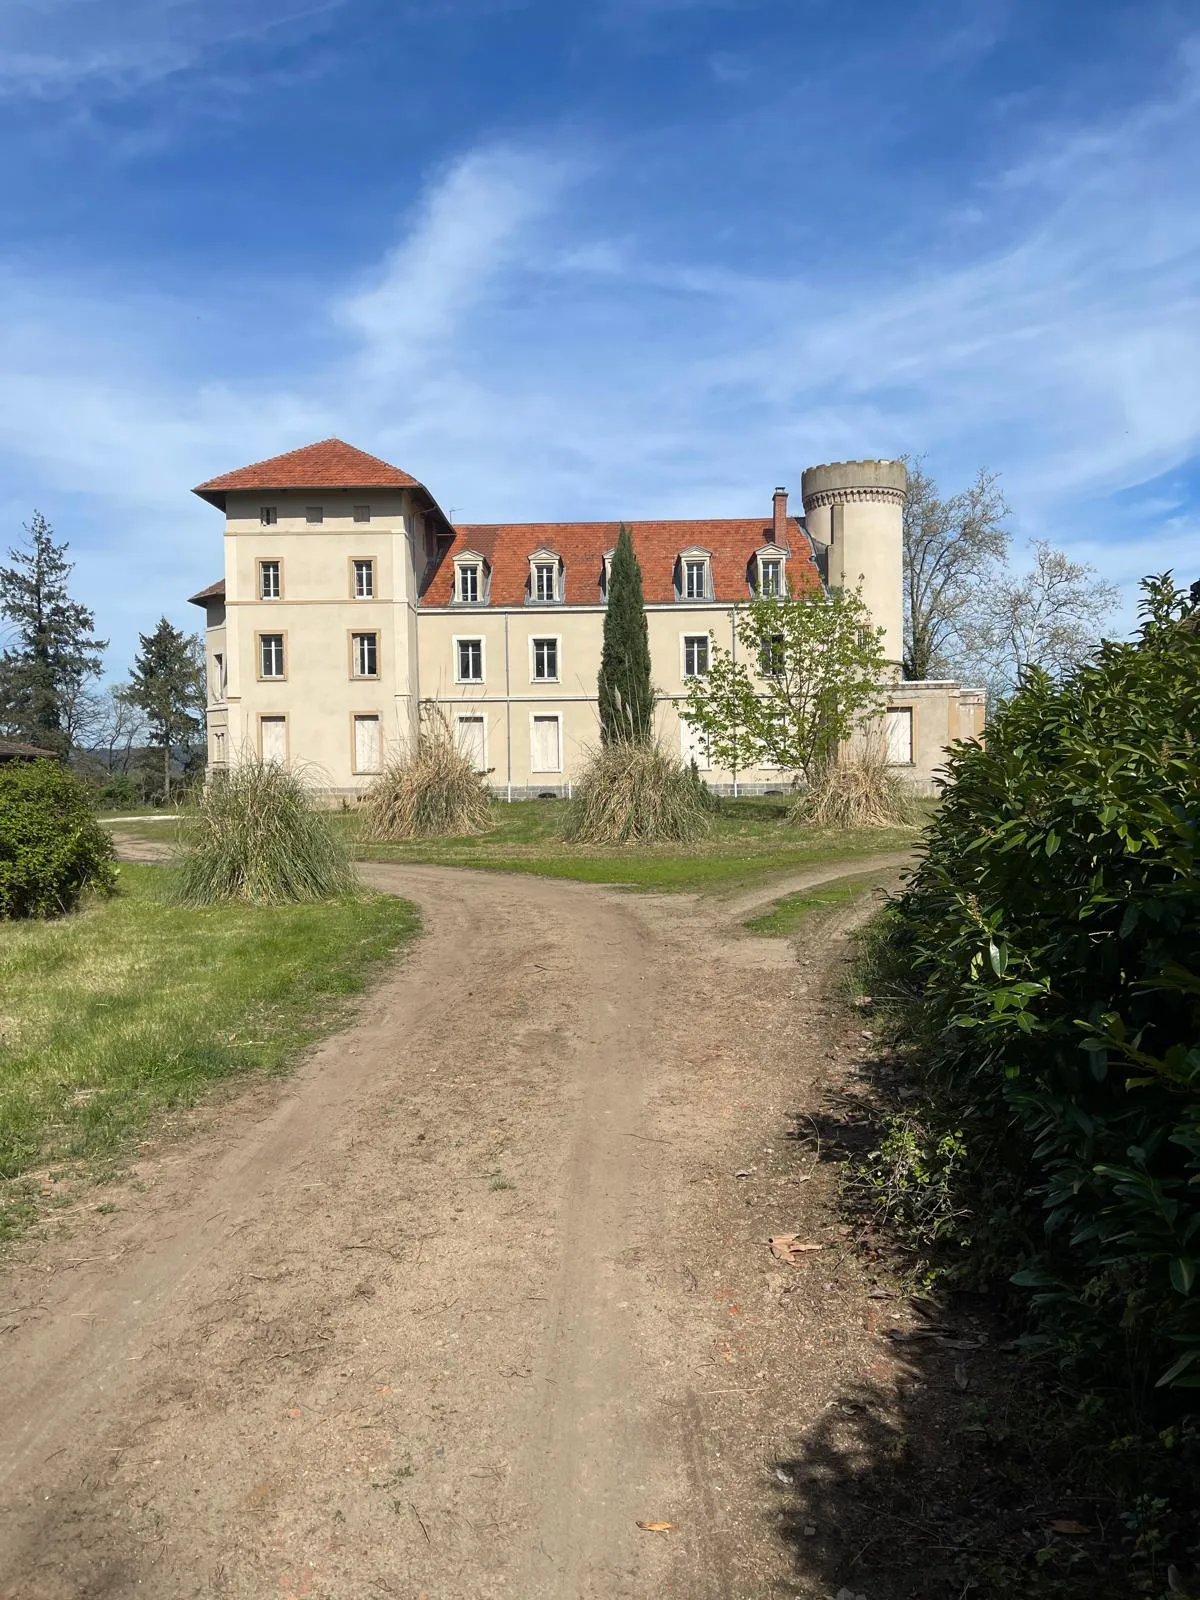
[430,791]
[638,794]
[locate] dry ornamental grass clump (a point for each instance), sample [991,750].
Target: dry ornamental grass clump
[255,835]
[638,794]
[429,791]
[856,790]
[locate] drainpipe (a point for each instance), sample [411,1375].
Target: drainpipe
[733,657]
[507,718]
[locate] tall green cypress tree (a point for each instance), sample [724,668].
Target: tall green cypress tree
[626,693]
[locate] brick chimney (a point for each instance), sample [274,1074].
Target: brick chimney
[779,521]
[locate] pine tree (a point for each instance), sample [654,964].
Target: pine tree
[626,693]
[166,684]
[55,651]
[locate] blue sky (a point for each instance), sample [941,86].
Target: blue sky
[596,258]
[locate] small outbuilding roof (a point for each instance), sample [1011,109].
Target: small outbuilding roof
[14,750]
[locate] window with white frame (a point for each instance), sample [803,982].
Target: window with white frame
[469,583]
[268,516]
[364,655]
[270,655]
[219,747]
[545,581]
[218,677]
[770,575]
[368,743]
[364,580]
[470,660]
[362,513]
[314,513]
[900,736]
[771,656]
[605,570]
[272,739]
[545,744]
[472,741]
[270,585]
[695,655]
[545,660]
[695,578]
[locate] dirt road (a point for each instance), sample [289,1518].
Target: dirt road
[453,1309]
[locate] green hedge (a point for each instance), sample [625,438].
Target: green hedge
[1050,946]
[51,846]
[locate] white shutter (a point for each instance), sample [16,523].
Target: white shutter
[367,747]
[273,739]
[544,745]
[899,736]
[694,745]
[471,741]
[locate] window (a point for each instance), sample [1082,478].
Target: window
[695,579]
[470,660]
[270,655]
[364,580]
[770,573]
[219,748]
[362,513]
[270,586]
[314,514]
[545,744]
[272,739]
[368,747]
[472,741]
[900,736]
[218,677]
[771,658]
[545,660]
[693,746]
[268,516]
[545,586]
[695,655]
[364,655]
[468,583]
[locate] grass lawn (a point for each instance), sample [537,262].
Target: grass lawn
[752,841]
[134,1005]
[787,916]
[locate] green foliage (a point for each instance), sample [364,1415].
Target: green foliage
[55,652]
[1047,952]
[635,793]
[625,688]
[809,674]
[166,684]
[430,791]
[51,846]
[255,835]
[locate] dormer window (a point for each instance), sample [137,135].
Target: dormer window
[770,575]
[470,579]
[606,572]
[694,580]
[545,578]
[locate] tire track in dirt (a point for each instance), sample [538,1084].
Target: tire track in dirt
[427,1316]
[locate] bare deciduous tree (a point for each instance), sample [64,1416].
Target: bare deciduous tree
[952,551]
[1048,617]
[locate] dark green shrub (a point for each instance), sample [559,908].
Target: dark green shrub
[1048,947]
[51,846]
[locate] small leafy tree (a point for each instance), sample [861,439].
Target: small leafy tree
[626,691]
[810,673]
[167,686]
[53,652]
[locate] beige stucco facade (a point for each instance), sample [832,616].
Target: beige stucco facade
[321,649]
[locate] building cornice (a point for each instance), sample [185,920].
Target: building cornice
[833,497]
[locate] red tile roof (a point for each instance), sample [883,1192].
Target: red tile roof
[331,464]
[582,546]
[215,591]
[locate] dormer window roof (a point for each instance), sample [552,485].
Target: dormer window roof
[545,578]
[471,575]
[693,576]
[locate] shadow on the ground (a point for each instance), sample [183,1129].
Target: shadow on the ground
[938,1475]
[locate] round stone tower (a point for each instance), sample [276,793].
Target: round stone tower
[855,510]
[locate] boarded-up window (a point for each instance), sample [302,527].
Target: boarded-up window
[272,733]
[367,747]
[900,736]
[471,741]
[694,744]
[545,753]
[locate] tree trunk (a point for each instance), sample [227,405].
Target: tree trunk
[167,771]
